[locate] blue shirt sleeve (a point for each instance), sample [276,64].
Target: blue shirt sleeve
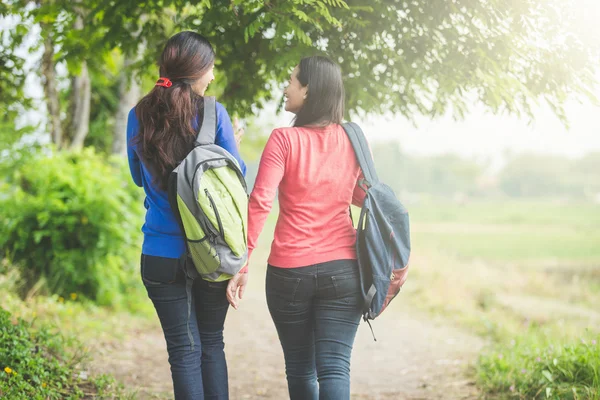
[135,166]
[225,137]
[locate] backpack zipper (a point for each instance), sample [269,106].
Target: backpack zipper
[235,167]
[214,207]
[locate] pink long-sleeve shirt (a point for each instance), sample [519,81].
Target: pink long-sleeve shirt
[316,172]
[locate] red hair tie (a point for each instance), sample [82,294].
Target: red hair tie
[164,82]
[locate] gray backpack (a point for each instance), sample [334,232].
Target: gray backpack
[382,234]
[207,193]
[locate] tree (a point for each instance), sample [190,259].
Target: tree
[60,23]
[532,175]
[408,57]
[12,71]
[412,57]
[129,95]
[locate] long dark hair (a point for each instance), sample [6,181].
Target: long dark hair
[324,103]
[166,115]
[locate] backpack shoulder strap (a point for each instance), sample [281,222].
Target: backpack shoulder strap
[208,130]
[362,151]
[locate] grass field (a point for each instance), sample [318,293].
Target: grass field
[507,266]
[519,232]
[526,275]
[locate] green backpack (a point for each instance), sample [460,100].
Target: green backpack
[207,193]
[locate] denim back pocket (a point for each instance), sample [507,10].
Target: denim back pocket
[160,270]
[347,288]
[281,290]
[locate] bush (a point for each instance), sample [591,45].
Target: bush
[527,369]
[70,223]
[37,365]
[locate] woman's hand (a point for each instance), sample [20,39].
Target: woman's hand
[236,286]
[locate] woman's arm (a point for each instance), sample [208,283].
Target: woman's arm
[270,173]
[225,136]
[135,166]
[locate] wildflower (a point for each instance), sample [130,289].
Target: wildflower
[523,371]
[538,359]
[61,299]
[512,388]
[8,370]
[500,356]
[44,385]
[84,220]
[594,342]
[73,296]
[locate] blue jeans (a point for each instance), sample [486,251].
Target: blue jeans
[316,311]
[192,314]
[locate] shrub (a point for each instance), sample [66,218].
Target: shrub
[527,369]
[36,364]
[70,223]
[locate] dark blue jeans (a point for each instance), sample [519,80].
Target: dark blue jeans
[316,311]
[192,314]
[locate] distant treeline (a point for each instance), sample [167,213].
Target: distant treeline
[523,175]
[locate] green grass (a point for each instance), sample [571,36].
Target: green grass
[40,363]
[534,368]
[524,274]
[513,231]
[522,244]
[51,340]
[509,212]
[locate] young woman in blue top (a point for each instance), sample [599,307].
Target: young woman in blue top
[161,130]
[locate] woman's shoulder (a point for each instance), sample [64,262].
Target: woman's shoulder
[284,133]
[287,131]
[132,123]
[132,114]
[299,130]
[221,110]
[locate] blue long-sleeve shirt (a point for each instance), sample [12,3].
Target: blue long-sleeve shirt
[162,234]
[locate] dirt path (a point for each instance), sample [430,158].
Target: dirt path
[431,363]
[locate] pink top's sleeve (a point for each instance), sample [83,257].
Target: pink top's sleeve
[270,174]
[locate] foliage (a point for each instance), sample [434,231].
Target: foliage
[442,175]
[530,175]
[12,72]
[104,102]
[417,57]
[527,369]
[69,222]
[37,364]
[10,135]
[525,175]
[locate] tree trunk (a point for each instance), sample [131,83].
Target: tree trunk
[81,97]
[129,94]
[50,90]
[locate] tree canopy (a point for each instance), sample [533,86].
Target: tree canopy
[408,57]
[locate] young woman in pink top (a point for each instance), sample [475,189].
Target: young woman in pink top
[312,284]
